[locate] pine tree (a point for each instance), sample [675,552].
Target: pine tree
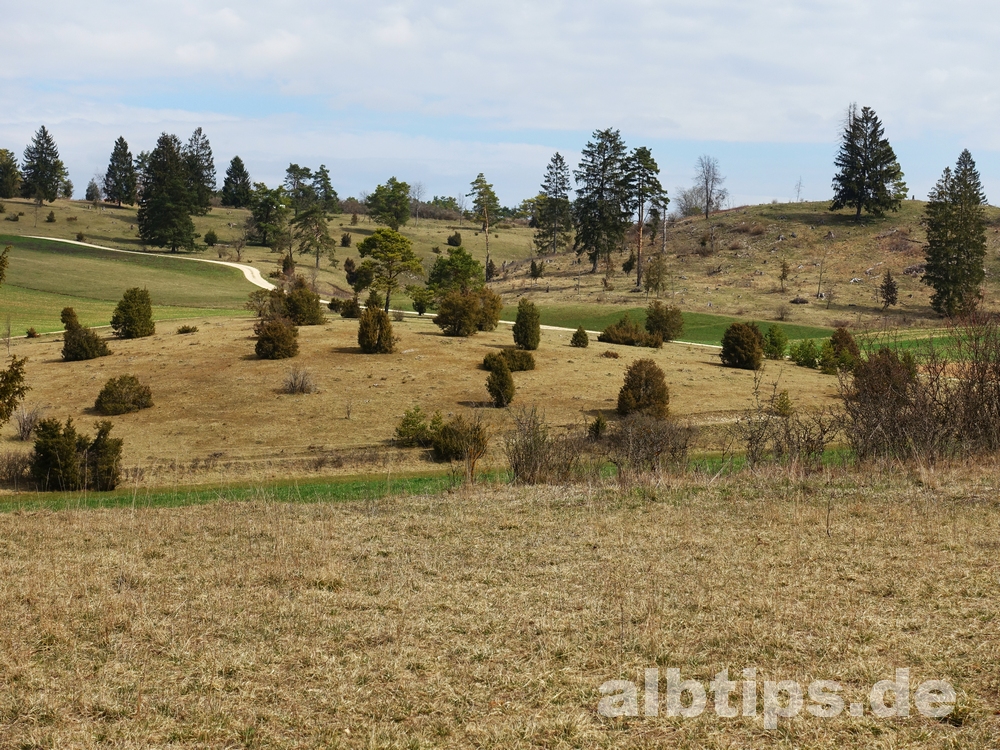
[869,176]
[42,172]
[323,188]
[120,183]
[553,217]
[298,186]
[645,190]
[485,208]
[201,172]
[236,188]
[389,204]
[956,239]
[601,209]
[164,215]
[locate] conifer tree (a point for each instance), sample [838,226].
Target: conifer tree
[869,177]
[236,189]
[164,215]
[10,174]
[645,191]
[552,213]
[42,172]
[956,239]
[120,181]
[201,172]
[601,210]
[323,188]
[485,208]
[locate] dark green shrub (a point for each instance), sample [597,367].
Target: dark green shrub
[580,339]
[514,360]
[375,300]
[50,219]
[211,238]
[277,338]
[500,384]
[527,326]
[845,349]
[664,321]
[133,315]
[454,240]
[414,430]
[598,428]
[626,331]
[375,332]
[345,239]
[122,395]
[775,343]
[351,308]
[645,390]
[65,460]
[460,439]
[463,313]
[302,306]
[336,304]
[805,354]
[828,360]
[12,388]
[80,237]
[32,333]
[79,342]
[742,346]
[422,298]
[187,329]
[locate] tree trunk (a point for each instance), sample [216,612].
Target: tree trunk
[638,254]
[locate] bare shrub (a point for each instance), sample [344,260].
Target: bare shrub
[536,457]
[27,420]
[298,381]
[641,444]
[15,468]
[463,440]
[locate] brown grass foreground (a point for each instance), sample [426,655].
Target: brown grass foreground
[490,617]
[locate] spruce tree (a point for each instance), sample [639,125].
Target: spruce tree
[888,290]
[164,216]
[601,212]
[200,172]
[553,217]
[956,239]
[323,188]
[869,176]
[236,189]
[10,174]
[42,172]
[120,183]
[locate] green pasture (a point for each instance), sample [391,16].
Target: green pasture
[45,276]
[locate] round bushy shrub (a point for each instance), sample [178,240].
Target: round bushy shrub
[79,342]
[805,354]
[626,331]
[645,390]
[514,360]
[845,348]
[742,346]
[303,307]
[463,313]
[527,326]
[775,342]
[350,308]
[211,238]
[580,339]
[500,384]
[664,321]
[277,338]
[122,395]
[133,315]
[454,240]
[375,332]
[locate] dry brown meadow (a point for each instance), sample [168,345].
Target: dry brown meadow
[489,617]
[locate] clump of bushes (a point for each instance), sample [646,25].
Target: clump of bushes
[300,304]
[664,321]
[187,329]
[527,326]
[775,342]
[626,331]
[580,339]
[27,420]
[500,384]
[348,308]
[375,332]
[514,360]
[805,354]
[133,315]
[644,391]
[277,338]
[454,240]
[642,443]
[65,460]
[32,333]
[414,429]
[461,439]
[298,381]
[536,456]
[463,313]
[79,342]
[742,346]
[211,238]
[122,395]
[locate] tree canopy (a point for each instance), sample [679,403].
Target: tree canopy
[456,271]
[388,256]
[869,177]
[956,239]
[389,204]
[485,208]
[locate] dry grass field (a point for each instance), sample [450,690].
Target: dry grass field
[488,618]
[218,411]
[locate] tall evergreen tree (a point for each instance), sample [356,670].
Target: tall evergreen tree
[389,204]
[956,239]
[10,174]
[299,188]
[311,233]
[388,256]
[120,183]
[42,173]
[323,189]
[236,188]
[552,210]
[646,193]
[601,211]
[164,216]
[201,172]
[869,176]
[269,213]
[485,209]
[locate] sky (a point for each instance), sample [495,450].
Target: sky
[434,92]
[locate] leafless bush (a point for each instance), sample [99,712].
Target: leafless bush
[641,444]
[298,381]
[15,468]
[27,419]
[536,457]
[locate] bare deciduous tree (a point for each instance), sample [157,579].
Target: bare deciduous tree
[709,182]
[417,192]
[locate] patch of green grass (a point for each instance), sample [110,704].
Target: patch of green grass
[699,328]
